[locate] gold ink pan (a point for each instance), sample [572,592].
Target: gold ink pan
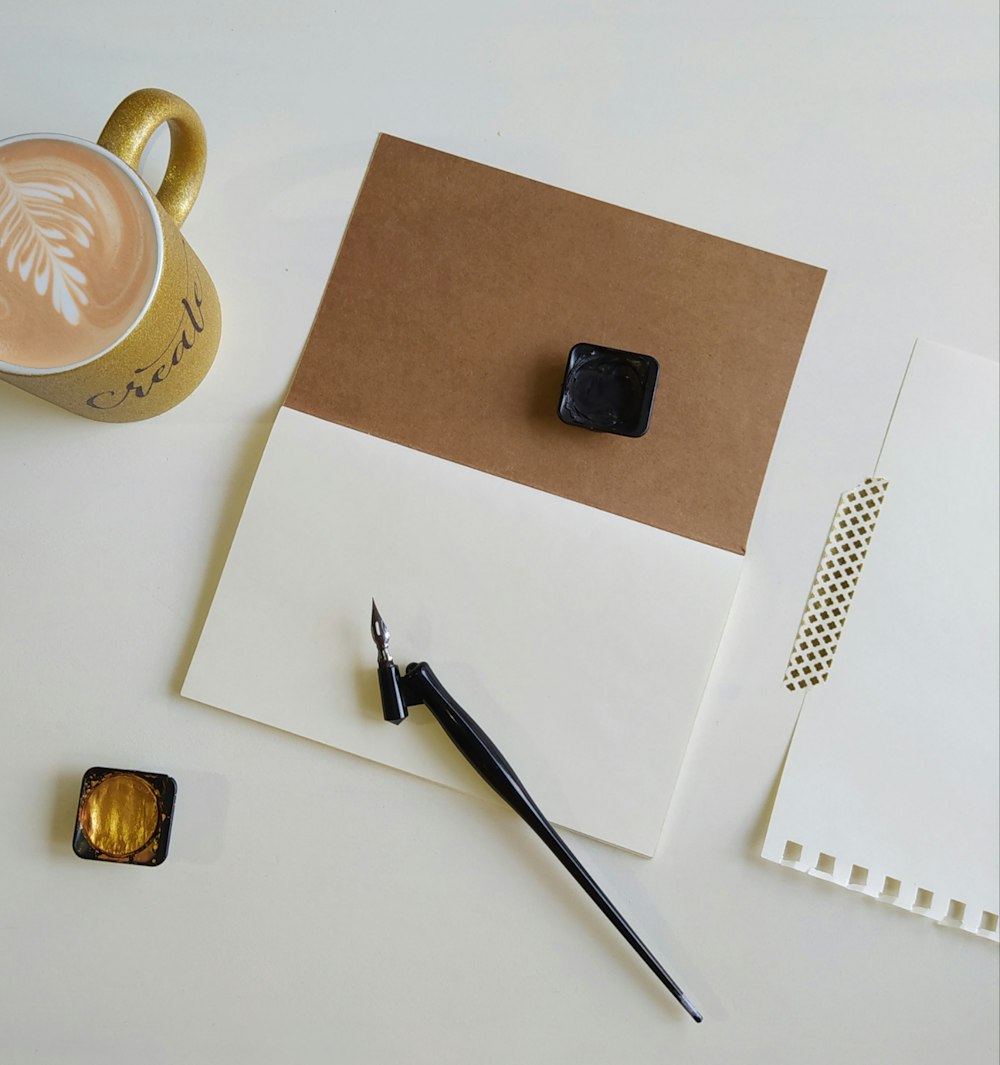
[124,816]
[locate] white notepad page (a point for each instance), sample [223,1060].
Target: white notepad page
[891,781]
[579,640]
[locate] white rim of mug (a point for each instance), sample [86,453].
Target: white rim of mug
[147,196]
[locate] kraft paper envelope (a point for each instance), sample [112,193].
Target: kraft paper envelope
[570,588]
[891,786]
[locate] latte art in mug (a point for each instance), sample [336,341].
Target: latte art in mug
[79,252]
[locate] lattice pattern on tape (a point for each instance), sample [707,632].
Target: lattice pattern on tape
[834,585]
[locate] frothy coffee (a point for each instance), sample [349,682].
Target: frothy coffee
[78,253]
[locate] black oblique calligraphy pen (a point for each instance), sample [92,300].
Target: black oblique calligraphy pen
[418,685]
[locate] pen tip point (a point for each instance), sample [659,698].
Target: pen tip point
[691,1008]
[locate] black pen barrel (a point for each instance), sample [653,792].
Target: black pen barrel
[419,684]
[570,862]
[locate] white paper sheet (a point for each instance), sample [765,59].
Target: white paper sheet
[891,782]
[581,641]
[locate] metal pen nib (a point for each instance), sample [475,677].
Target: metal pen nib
[390,683]
[380,634]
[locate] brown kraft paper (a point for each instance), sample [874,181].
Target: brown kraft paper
[459,290]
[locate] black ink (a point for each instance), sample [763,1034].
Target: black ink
[607,390]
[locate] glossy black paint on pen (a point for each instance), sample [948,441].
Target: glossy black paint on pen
[419,685]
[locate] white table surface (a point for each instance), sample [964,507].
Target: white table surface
[316,907]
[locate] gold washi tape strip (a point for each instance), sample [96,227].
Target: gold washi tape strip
[834,585]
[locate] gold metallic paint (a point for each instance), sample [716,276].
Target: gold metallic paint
[120,815]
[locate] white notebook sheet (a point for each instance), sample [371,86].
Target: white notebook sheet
[891,781]
[579,640]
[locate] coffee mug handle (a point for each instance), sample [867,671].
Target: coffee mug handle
[133,122]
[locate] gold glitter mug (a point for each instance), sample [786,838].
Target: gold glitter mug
[104,308]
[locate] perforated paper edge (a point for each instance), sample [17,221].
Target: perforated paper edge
[809,664]
[882,886]
[834,585]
